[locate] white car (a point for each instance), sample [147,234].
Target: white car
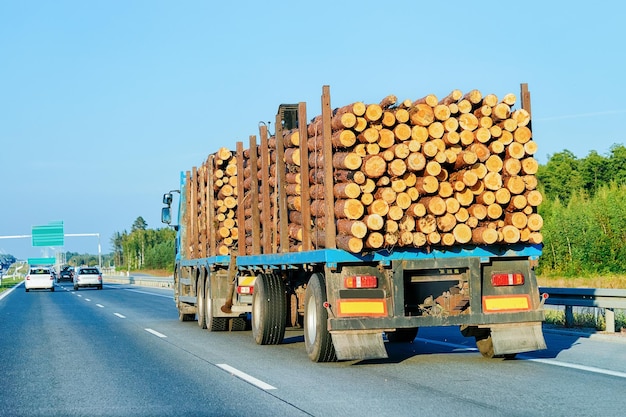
[87,276]
[39,277]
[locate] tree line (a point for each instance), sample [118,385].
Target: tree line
[584,212]
[144,248]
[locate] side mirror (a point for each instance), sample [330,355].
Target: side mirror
[167,199]
[166,215]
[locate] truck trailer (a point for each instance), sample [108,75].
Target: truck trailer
[366,223]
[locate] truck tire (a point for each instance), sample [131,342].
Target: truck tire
[201,304]
[485,347]
[482,336]
[317,338]
[403,335]
[269,310]
[484,343]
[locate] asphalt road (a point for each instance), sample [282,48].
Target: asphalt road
[122,352]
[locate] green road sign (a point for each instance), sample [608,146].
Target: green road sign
[48,235]
[41,261]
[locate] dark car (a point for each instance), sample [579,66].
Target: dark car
[65,275]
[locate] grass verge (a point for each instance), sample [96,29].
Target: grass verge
[587,318]
[8,283]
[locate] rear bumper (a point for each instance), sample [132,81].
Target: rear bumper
[483,320]
[30,285]
[88,283]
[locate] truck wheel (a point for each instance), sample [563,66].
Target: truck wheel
[317,338]
[201,304]
[403,335]
[269,310]
[485,347]
[484,343]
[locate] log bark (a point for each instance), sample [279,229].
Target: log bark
[484,236]
[355,228]
[345,160]
[421,114]
[349,243]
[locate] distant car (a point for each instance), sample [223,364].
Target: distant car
[39,278]
[65,275]
[87,277]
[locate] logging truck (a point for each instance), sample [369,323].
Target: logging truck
[365,224]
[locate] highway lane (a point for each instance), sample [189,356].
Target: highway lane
[67,353]
[155,365]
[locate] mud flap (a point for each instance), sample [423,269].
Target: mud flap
[517,338]
[359,345]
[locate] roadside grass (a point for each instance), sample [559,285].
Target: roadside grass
[604,281]
[587,318]
[154,272]
[8,283]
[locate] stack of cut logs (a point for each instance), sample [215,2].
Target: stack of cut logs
[425,173]
[222,168]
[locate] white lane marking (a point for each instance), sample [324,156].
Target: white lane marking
[456,347]
[575,366]
[100,305]
[87,299]
[154,332]
[250,379]
[539,360]
[78,295]
[120,315]
[149,293]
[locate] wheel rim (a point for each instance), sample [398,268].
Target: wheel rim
[311,319]
[208,305]
[201,307]
[256,313]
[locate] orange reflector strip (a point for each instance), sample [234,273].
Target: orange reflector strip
[362,307]
[497,303]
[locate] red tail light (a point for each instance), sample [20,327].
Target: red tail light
[361,281]
[245,290]
[503,279]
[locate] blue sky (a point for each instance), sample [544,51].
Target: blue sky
[103,103]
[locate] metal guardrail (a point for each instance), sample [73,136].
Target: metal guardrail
[146,281]
[607,299]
